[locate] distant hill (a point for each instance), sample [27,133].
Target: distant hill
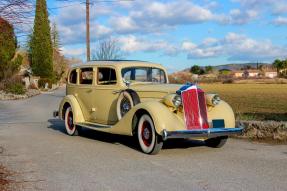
[234,66]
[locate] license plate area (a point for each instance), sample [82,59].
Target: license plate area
[218,123]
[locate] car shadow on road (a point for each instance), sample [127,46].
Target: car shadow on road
[58,125]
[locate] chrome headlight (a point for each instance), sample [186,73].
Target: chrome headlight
[215,100]
[177,100]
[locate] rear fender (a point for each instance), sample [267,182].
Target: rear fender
[77,111]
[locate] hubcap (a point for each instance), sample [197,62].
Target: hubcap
[146,133]
[125,106]
[70,121]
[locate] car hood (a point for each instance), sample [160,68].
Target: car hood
[154,90]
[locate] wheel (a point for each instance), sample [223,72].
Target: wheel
[71,128]
[124,104]
[149,141]
[216,142]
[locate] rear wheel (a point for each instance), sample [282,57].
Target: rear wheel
[149,140]
[71,128]
[216,142]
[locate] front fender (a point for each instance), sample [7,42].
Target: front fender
[222,111]
[162,116]
[77,111]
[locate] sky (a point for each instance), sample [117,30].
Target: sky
[177,34]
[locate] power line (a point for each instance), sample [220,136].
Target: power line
[91,3]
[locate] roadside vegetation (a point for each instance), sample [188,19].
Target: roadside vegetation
[255,91]
[37,66]
[254,101]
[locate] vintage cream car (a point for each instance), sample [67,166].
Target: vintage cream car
[134,98]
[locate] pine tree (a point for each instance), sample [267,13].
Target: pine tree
[55,37]
[41,46]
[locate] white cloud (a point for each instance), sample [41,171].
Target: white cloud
[71,22]
[73,52]
[280,21]
[146,16]
[275,7]
[237,48]
[280,8]
[186,45]
[238,17]
[76,33]
[131,43]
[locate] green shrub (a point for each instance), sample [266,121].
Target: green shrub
[42,82]
[15,88]
[8,45]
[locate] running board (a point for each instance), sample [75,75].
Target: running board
[93,126]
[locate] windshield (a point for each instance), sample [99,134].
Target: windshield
[144,74]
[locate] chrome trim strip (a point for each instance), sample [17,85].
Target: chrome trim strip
[93,126]
[202,133]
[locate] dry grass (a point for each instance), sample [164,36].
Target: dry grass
[4,178]
[265,100]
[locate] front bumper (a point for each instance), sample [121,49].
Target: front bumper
[202,133]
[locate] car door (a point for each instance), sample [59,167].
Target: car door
[105,96]
[85,91]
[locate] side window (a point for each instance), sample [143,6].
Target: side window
[141,74]
[86,76]
[158,75]
[106,76]
[73,77]
[127,75]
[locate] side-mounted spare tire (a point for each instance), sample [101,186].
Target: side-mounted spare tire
[126,100]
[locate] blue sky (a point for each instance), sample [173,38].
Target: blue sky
[180,33]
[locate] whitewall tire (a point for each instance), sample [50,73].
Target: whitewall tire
[71,128]
[149,141]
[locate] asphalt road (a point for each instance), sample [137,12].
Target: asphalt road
[36,147]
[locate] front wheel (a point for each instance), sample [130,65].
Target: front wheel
[149,140]
[216,142]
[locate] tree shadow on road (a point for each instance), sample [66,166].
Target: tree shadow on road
[58,125]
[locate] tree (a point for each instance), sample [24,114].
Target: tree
[208,69]
[55,37]
[9,63]
[278,64]
[107,50]
[60,64]
[15,11]
[41,45]
[196,70]
[248,67]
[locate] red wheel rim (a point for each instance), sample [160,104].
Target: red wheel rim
[70,120]
[146,133]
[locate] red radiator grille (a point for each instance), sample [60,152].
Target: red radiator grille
[194,106]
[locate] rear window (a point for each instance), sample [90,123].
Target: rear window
[86,76]
[73,77]
[106,76]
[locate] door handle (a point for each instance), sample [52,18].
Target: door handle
[117,91]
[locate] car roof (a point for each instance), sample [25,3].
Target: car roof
[119,63]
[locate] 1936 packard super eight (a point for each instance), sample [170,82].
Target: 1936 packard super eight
[134,98]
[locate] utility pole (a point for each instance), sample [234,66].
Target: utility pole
[88,29]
